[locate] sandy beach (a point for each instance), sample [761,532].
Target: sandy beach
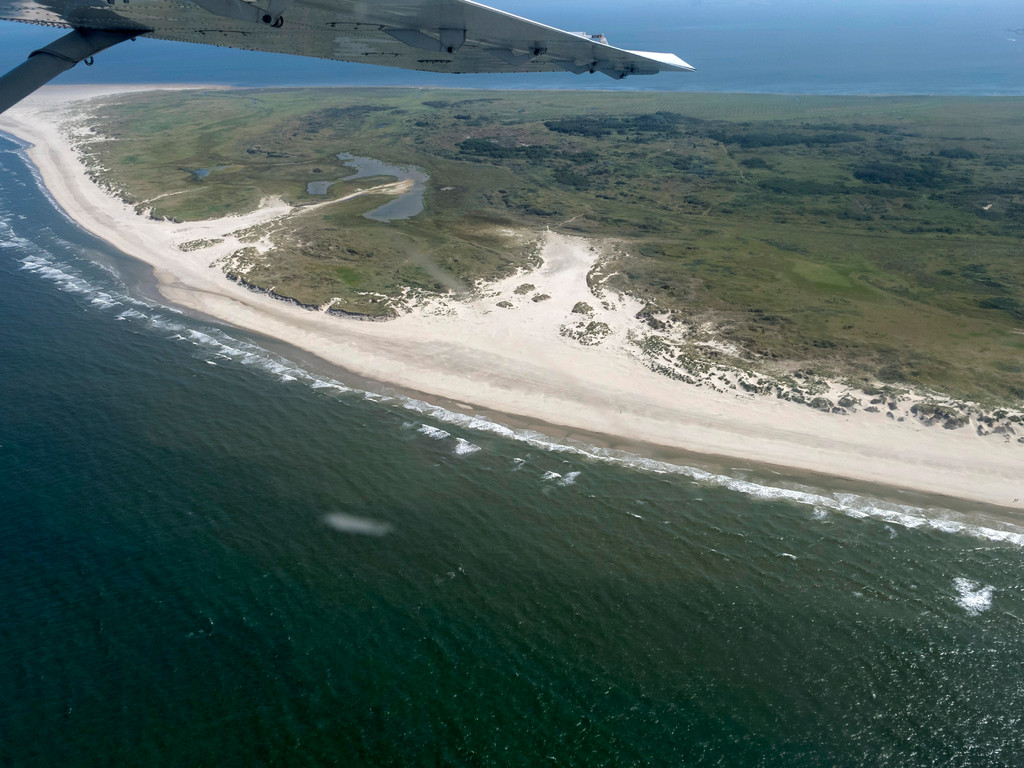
[517,358]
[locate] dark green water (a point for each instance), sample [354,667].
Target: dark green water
[174,593]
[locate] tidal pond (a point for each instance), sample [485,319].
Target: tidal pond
[405,206]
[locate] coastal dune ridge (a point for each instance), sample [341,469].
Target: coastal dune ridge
[517,358]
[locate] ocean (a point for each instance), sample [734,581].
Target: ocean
[216,554]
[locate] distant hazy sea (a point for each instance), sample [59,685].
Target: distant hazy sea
[213,555]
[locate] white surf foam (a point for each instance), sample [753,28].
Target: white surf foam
[62,275]
[319,383]
[434,432]
[464,447]
[213,341]
[973,597]
[569,478]
[167,319]
[821,501]
[104,300]
[37,177]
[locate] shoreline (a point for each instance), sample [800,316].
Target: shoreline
[514,360]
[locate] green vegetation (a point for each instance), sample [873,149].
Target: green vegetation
[588,334]
[870,238]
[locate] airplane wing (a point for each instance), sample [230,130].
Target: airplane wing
[452,36]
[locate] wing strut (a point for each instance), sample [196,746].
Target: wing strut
[59,56]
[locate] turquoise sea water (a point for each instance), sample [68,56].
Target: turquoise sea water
[212,555]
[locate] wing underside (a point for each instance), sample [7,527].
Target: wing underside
[450,36]
[434,35]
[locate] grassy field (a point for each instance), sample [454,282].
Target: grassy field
[874,238]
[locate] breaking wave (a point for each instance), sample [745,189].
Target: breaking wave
[464,447]
[972,596]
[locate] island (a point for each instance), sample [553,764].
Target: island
[829,284]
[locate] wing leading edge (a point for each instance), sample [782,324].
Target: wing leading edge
[450,36]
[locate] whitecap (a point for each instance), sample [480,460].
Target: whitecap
[203,338]
[464,447]
[337,386]
[161,324]
[549,475]
[974,598]
[104,301]
[570,478]
[13,241]
[434,432]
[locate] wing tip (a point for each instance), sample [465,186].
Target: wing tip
[667,60]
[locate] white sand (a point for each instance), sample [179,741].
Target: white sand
[516,361]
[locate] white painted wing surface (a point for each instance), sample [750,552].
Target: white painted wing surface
[433,35]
